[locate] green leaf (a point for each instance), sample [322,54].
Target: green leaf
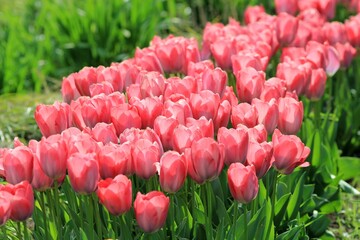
[290,234]
[296,198]
[319,225]
[280,208]
[349,167]
[221,211]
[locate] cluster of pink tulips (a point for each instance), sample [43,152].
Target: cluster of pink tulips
[170,111]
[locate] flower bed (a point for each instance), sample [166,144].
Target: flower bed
[188,142]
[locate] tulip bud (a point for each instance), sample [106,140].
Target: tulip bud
[286,28]
[291,113]
[316,87]
[289,152]
[268,113]
[125,116]
[151,210]
[145,153]
[243,183]
[249,84]
[18,165]
[115,194]
[164,128]
[260,155]
[172,171]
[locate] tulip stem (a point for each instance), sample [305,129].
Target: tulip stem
[245,221]
[43,210]
[90,215]
[273,197]
[57,208]
[26,234]
[97,215]
[209,231]
[19,230]
[172,217]
[235,206]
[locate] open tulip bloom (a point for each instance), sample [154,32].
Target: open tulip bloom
[207,152]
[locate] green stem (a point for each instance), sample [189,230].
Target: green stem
[209,231]
[97,216]
[50,200]
[19,230]
[57,209]
[273,198]
[245,221]
[43,210]
[26,233]
[192,192]
[172,217]
[90,215]
[236,212]
[114,225]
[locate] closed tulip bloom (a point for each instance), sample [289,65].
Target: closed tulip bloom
[206,126]
[243,182]
[99,88]
[125,116]
[253,14]
[82,143]
[346,53]
[289,7]
[245,114]
[289,152]
[104,132]
[291,113]
[184,136]
[316,87]
[149,108]
[244,60]
[260,155]
[69,91]
[115,159]
[151,84]
[334,32]
[235,142]
[146,59]
[112,76]
[164,128]
[84,79]
[268,113]
[115,194]
[21,197]
[179,110]
[257,133]
[172,171]
[83,171]
[95,110]
[214,80]
[53,119]
[178,86]
[223,115]
[145,154]
[205,159]
[249,84]
[5,207]
[286,28]
[151,210]
[204,103]
[53,156]
[273,88]
[18,165]
[230,96]
[197,69]
[40,180]
[222,49]
[295,75]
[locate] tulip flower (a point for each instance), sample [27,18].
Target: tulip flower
[148,108]
[268,113]
[125,116]
[235,142]
[110,75]
[223,115]
[204,103]
[260,155]
[84,79]
[257,133]
[69,91]
[243,183]
[146,59]
[184,136]
[21,198]
[249,84]
[53,119]
[222,49]
[83,171]
[291,113]
[53,155]
[286,28]
[145,153]
[245,114]
[181,87]
[253,14]
[151,84]
[316,87]
[5,206]
[151,210]
[206,126]
[99,88]
[289,152]
[179,110]
[205,159]
[115,159]
[172,171]
[18,165]
[214,80]
[115,194]
[164,128]
[289,7]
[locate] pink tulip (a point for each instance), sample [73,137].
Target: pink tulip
[243,183]
[18,165]
[222,50]
[99,88]
[197,69]
[145,154]
[125,116]
[146,59]
[235,142]
[268,113]
[223,115]
[244,113]
[286,28]
[253,14]
[257,133]
[273,88]
[83,170]
[214,80]
[53,155]
[172,171]
[260,155]
[164,128]
[95,110]
[316,87]
[151,84]
[5,207]
[82,143]
[21,198]
[69,91]
[183,137]
[243,60]
[291,113]
[103,132]
[183,87]
[115,194]
[53,119]
[149,108]
[206,126]
[179,110]
[289,7]
[205,159]
[346,54]
[115,159]
[352,30]
[296,76]
[289,152]
[334,32]
[151,210]
[84,79]
[205,103]
[230,96]
[112,76]
[249,84]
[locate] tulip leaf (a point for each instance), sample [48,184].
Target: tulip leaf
[315,155]
[293,233]
[221,211]
[280,208]
[295,199]
[220,231]
[199,210]
[319,225]
[349,167]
